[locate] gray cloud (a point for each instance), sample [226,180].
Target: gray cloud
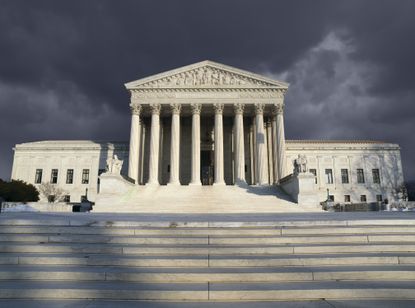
[63,64]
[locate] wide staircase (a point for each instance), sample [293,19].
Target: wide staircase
[82,256]
[220,199]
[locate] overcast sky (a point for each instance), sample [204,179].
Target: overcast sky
[350,64]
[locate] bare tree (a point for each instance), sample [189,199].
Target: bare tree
[51,192]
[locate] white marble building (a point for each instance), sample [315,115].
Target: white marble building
[210,124]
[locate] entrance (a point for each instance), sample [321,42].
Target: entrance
[206,170]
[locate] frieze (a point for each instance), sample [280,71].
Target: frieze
[203,93]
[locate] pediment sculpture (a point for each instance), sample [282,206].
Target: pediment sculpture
[205,76]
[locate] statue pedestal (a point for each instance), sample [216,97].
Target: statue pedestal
[111,183]
[301,187]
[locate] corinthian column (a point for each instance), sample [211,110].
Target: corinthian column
[219,179]
[133,158]
[154,144]
[261,148]
[175,144]
[196,108]
[279,110]
[275,142]
[239,145]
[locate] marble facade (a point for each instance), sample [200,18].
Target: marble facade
[209,124]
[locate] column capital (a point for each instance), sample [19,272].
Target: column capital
[259,108]
[175,108]
[196,108]
[238,108]
[155,108]
[135,108]
[277,109]
[218,108]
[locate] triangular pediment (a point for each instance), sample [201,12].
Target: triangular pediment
[206,74]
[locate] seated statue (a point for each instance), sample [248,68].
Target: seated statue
[114,165]
[300,164]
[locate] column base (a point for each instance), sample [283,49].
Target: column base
[174,183]
[219,184]
[195,184]
[241,183]
[152,184]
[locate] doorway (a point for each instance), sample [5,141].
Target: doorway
[206,170]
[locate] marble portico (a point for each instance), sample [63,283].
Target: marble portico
[206,123]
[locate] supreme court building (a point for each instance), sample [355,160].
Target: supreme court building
[209,124]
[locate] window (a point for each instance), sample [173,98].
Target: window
[85,176]
[331,198]
[346,198]
[345,176]
[360,176]
[376,176]
[379,198]
[67,198]
[54,176]
[51,198]
[329,176]
[38,176]
[69,176]
[314,171]
[362,198]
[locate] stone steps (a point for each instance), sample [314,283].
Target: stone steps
[206,240]
[113,290]
[207,274]
[206,260]
[90,258]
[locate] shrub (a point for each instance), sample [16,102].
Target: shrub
[18,191]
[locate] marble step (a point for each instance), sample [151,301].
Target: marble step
[207,240]
[107,248]
[210,274]
[190,232]
[206,260]
[81,220]
[208,292]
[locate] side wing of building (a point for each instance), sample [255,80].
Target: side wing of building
[72,165]
[350,171]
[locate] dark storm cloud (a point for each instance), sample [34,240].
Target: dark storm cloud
[63,63]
